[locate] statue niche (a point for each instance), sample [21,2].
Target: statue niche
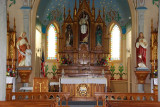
[99,34]
[84,28]
[69,36]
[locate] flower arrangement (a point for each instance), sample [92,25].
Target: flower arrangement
[103,61]
[121,73]
[155,73]
[11,72]
[64,60]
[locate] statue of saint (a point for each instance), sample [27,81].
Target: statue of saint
[22,44]
[69,36]
[84,29]
[99,36]
[27,55]
[141,45]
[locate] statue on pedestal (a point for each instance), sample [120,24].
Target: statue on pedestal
[141,47]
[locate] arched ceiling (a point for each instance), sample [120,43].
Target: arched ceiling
[53,10]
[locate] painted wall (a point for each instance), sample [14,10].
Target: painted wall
[151,13]
[15,12]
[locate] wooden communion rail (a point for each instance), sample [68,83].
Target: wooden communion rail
[110,99]
[51,99]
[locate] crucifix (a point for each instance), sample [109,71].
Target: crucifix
[40,86]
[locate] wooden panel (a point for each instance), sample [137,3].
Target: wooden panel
[74,89]
[40,85]
[122,86]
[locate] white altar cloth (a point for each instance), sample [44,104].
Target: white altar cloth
[85,80]
[12,80]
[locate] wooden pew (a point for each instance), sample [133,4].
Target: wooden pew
[132,104]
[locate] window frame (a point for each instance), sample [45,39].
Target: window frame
[112,24]
[46,48]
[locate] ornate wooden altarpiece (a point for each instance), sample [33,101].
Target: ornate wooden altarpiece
[84,54]
[11,45]
[154,48]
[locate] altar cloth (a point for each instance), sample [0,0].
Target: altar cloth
[83,80]
[12,80]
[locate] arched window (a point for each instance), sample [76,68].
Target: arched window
[115,43]
[52,43]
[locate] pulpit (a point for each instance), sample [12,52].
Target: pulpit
[40,85]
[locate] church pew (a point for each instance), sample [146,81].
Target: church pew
[132,104]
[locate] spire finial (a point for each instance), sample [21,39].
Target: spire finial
[14,27]
[93,4]
[64,13]
[103,13]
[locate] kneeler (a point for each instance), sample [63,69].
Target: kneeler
[40,85]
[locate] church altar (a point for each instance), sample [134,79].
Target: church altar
[83,53]
[81,88]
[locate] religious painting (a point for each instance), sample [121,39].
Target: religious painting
[69,35]
[84,28]
[99,36]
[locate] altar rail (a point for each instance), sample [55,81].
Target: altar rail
[28,103]
[121,97]
[39,96]
[108,99]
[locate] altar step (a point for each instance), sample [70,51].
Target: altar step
[82,103]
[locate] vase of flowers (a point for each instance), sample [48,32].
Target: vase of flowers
[64,60]
[155,73]
[121,73]
[103,61]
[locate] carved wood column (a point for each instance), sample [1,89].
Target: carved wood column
[3,48]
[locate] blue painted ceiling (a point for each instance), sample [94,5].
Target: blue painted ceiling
[56,7]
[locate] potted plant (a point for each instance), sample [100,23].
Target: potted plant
[121,73]
[54,69]
[112,69]
[46,71]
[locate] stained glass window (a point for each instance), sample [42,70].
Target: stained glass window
[115,43]
[52,43]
